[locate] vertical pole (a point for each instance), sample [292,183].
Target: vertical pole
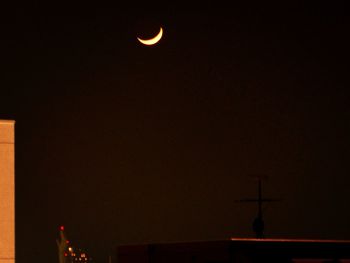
[260,200]
[258,223]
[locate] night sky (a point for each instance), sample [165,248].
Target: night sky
[126,144]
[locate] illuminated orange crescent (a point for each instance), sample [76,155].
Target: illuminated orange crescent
[153,40]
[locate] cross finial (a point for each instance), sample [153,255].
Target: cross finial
[258,223]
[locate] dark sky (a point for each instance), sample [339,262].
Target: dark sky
[124,143]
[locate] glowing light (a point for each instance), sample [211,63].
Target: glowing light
[153,40]
[62,228]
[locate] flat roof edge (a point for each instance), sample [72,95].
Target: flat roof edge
[2,121]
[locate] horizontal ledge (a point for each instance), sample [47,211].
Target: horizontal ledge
[7,122]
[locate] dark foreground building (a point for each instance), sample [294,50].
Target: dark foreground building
[238,251]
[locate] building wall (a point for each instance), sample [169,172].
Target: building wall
[7,191]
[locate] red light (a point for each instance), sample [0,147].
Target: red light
[67,241]
[65,254]
[62,228]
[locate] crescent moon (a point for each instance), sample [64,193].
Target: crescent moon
[153,40]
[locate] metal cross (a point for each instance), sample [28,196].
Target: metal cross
[258,223]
